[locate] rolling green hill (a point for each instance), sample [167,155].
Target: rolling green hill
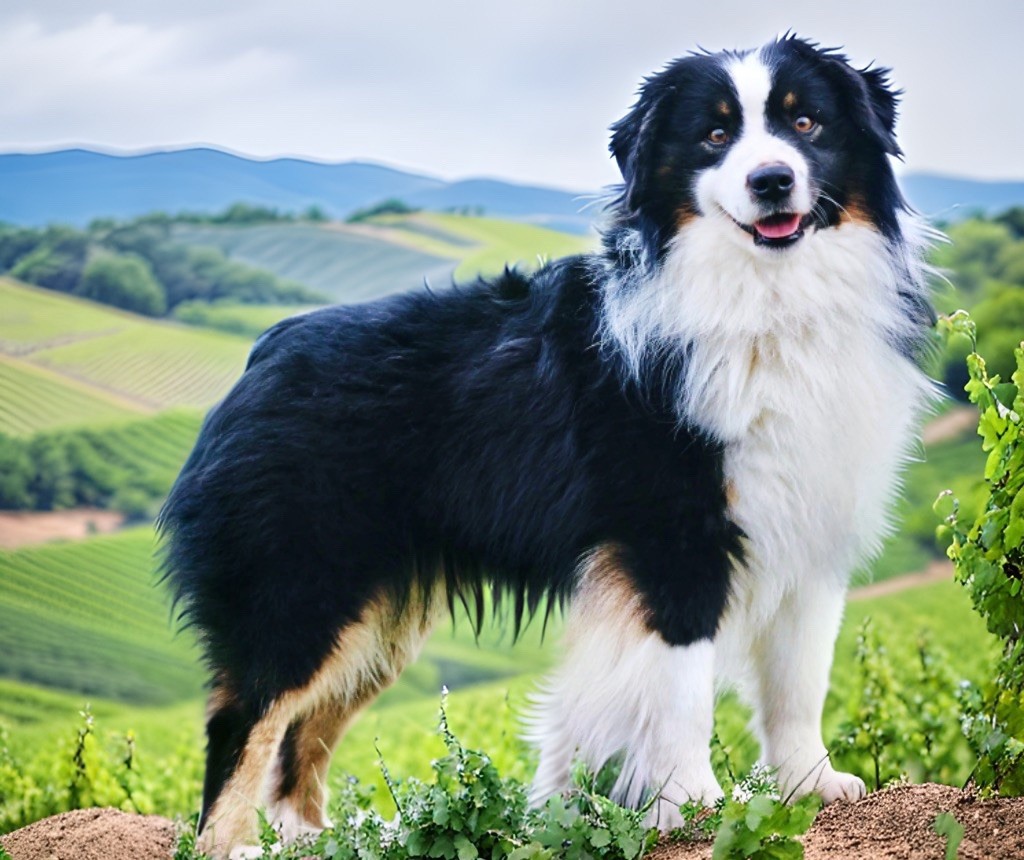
[70,361]
[33,398]
[356,262]
[348,265]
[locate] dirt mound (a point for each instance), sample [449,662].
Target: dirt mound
[93,834]
[895,824]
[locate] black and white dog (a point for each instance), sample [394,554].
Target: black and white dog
[691,438]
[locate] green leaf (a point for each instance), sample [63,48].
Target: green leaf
[945,824]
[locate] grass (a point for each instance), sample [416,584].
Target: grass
[87,617]
[245,320]
[157,364]
[503,242]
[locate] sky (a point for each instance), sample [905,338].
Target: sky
[519,90]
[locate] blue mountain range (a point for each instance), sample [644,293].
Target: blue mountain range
[74,186]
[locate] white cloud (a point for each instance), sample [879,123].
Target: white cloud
[525,90]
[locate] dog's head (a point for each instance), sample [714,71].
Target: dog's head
[777,145]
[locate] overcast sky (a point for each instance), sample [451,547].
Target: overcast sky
[522,90]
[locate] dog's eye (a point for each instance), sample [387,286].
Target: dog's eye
[804,124]
[718,136]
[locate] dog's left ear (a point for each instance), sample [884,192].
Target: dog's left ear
[874,103]
[632,144]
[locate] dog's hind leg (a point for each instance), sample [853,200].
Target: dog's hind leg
[298,788]
[624,690]
[241,745]
[280,759]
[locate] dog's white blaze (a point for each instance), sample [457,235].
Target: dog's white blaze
[791,366]
[725,186]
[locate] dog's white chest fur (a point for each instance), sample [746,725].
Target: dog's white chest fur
[790,365]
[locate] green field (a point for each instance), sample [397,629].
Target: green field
[33,399]
[346,265]
[352,263]
[108,362]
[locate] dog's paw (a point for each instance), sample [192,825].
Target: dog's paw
[835,785]
[824,780]
[290,825]
[664,813]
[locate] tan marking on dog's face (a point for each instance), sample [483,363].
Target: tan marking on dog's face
[723,109]
[789,101]
[855,211]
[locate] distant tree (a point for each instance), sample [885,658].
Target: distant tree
[246,213]
[16,474]
[52,485]
[391,206]
[1010,263]
[16,243]
[125,281]
[315,214]
[972,255]
[50,268]
[1013,220]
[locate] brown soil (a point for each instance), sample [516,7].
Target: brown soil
[24,528]
[895,824]
[93,834]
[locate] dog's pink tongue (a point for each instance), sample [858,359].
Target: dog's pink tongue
[778,226]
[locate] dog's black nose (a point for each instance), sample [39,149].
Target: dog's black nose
[772,182]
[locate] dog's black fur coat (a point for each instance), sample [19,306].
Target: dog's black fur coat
[479,431]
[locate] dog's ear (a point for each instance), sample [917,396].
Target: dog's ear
[874,103]
[633,143]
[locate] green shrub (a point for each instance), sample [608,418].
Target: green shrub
[125,281]
[989,556]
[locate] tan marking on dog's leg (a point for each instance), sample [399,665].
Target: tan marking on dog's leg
[232,820]
[368,656]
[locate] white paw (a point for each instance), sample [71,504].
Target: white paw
[290,825]
[835,785]
[664,813]
[824,780]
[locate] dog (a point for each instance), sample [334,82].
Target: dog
[690,438]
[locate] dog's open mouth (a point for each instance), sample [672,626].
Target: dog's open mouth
[780,230]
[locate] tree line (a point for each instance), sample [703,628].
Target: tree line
[139,266]
[984,263]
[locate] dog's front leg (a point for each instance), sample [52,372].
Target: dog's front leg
[792,659]
[624,690]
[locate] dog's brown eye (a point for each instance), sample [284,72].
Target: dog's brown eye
[804,124]
[718,136]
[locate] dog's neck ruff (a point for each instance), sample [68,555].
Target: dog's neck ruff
[729,327]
